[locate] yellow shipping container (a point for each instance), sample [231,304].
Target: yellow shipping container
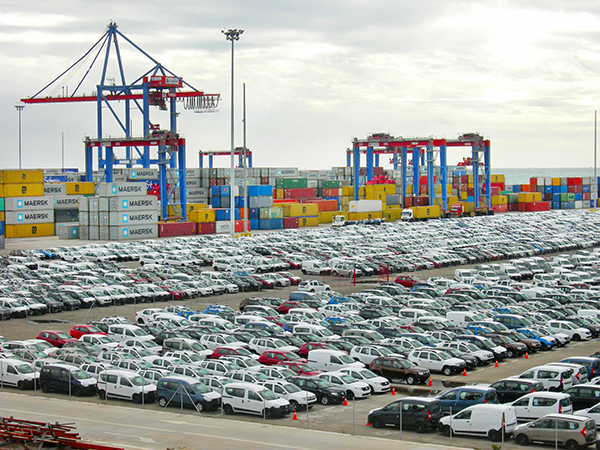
[463,195]
[376,196]
[196,206]
[22,190]
[82,188]
[388,189]
[452,199]
[448,189]
[327,216]
[499,199]
[279,194]
[365,215]
[347,191]
[525,197]
[21,176]
[201,215]
[469,207]
[312,221]
[2,216]
[345,201]
[29,230]
[498,178]
[555,181]
[537,196]
[173,210]
[300,209]
[409,189]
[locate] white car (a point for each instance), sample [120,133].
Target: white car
[145,315]
[592,413]
[367,353]
[537,404]
[260,345]
[104,342]
[313,286]
[575,333]
[436,361]
[297,397]
[353,387]
[377,383]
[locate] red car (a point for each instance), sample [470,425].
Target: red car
[295,280]
[175,294]
[55,337]
[229,351]
[272,357]
[79,330]
[301,367]
[286,306]
[267,284]
[303,352]
[408,281]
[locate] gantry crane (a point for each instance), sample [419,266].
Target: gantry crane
[157,86]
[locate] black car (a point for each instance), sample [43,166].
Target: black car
[375,312]
[470,360]
[509,390]
[420,414]
[54,306]
[584,395]
[484,344]
[160,337]
[325,391]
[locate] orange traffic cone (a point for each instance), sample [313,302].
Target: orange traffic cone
[430,383]
[464,372]
[368,424]
[345,402]
[496,365]
[526,355]
[294,416]
[393,391]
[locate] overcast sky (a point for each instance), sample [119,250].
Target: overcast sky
[319,73]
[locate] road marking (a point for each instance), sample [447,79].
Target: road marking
[145,440]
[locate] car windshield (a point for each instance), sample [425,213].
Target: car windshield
[291,388]
[24,368]
[93,329]
[63,335]
[406,363]
[267,395]
[347,379]
[139,332]
[79,375]
[367,374]
[323,383]
[105,340]
[137,381]
[200,388]
[307,367]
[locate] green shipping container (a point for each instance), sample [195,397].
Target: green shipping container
[1,203]
[330,184]
[290,183]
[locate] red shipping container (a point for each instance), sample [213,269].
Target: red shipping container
[533,181]
[586,196]
[408,201]
[207,228]
[470,192]
[571,188]
[547,197]
[500,208]
[538,206]
[264,180]
[290,222]
[522,206]
[239,226]
[578,188]
[330,192]
[172,229]
[498,185]
[513,207]
[423,189]
[464,179]
[284,200]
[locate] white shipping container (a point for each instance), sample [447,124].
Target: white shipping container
[67,231]
[84,232]
[84,218]
[578,204]
[129,232]
[132,218]
[94,219]
[193,182]
[197,192]
[146,203]
[67,202]
[55,189]
[365,206]
[312,183]
[28,203]
[84,204]
[289,172]
[29,216]
[223,226]
[140,173]
[122,189]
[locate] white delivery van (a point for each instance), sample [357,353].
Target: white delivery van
[17,373]
[126,385]
[463,318]
[332,360]
[252,399]
[484,419]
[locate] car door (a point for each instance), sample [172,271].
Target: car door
[522,408]
[390,414]
[450,401]
[461,422]
[541,430]
[502,388]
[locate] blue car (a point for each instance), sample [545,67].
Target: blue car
[547,342]
[457,399]
[591,364]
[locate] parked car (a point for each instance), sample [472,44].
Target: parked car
[538,404]
[558,429]
[554,378]
[251,399]
[481,420]
[395,368]
[508,390]
[66,379]
[420,414]
[459,398]
[584,395]
[353,387]
[326,392]
[297,397]
[125,384]
[436,361]
[178,390]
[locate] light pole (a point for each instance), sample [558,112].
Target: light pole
[232,35]
[19,108]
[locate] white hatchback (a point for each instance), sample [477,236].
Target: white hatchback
[537,404]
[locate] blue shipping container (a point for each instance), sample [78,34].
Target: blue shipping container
[586,188]
[253,214]
[548,189]
[516,188]
[265,190]
[555,205]
[215,191]
[270,224]
[216,202]
[225,191]
[578,197]
[254,224]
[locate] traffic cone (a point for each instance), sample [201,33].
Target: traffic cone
[345,402]
[526,355]
[464,372]
[393,391]
[368,424]
[430,383]
[295,417]
[496,365]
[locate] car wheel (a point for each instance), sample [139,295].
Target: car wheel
[522,439]
[162,402]
[420,427]
[199,406]
[324,400]
[137,399]
[228,409]
[77,392]
[571,445]
[267,413]
[510,353]
[102,394]
[295,405]
[350,395]
[410,379]
[21,385]
[447,431]
[576,337]
[494,435]
[447,371]
[45,388]
[377,423]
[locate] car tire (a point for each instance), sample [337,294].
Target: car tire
[77,392]
[576,337]
[102,394]
[324,400]
[447,431]
[199,406]
[522,439]
[267,414]
[571,445]
[45,388]
[228,409]
[447,371]
[295,405]
[420,427]
[510,354]
[494,435]
[377,423]
[350,395]
[162,402]
[21,385]
[136,398]
[410,379]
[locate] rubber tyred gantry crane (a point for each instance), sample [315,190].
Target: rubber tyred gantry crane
[156,86]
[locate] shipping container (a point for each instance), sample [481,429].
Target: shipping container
[21,190]
[29,216]
[202,216]
[207,228]
[134,189]
[29,230]
[129,232]
[18,176]
[172,229]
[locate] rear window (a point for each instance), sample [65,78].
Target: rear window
[435,408]
[565,402]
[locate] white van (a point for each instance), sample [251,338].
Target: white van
[537,404]
[332,360]
[462,318]
[554,378]
[17,373]
[481,420]
[125,384]
[465,275]
[315,268]
[122,332]
[252,399]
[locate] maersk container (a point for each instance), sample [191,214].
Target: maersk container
[131,218]
[129,232]
[67,231]
[67,202]
[29,217]
[193,183]
[122,189]
[141,173]
[222,227]
[28,203]
[111,204]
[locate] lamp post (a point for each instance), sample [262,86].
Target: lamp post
[232,35]
[19,109]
